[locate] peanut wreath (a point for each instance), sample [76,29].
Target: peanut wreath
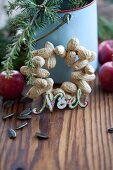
[69,94]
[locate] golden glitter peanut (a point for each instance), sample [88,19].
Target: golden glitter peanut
[50,84]
[25,70]
[73,44]
[70,58]
[50,63]
[84,86]
[42,73]
[40,83]
[44,52]
[34,92]
[89,69]
[69,87]
[60,51]
[38,61]
[80,64]
[49,45]
[58,90]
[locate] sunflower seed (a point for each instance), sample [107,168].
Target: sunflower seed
[7,116]
[8,103]
[1,102]
[25,100]
[21,126]
[11,133]
[41,135]
[24,117]
[26,112]
[110,130]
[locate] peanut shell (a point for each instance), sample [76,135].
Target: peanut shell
[49,45]
[92,57]
[44,52]
[83,85]
[40,83]
[70,58]
[79,75]
[89,69]
[50,63]
[80,64]
[83,53]
[38,61]
[42,73]
[73,44]
[60,51]
[34,92]
[25,70]
[50,83]
[69,87]
[58,90]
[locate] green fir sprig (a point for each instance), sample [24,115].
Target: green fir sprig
[77,3]
[29,25]
[34,15]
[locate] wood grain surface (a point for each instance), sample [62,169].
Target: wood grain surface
[78,139]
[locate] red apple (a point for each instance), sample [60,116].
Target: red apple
[11,88]
[106,76]
[105,51]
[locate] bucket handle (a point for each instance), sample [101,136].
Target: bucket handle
[65,19]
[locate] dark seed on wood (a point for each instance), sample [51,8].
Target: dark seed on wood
[41,135]
[26,112]
[24,117]
[7,116]
[21,126]
[1,102]
[110,130]
[25,100]
[19,169]
[8,103]
[11,133]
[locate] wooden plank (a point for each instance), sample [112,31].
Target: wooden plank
[78,138]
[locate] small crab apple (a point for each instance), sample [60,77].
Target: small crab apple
[105,51]
[11,87]
[106,76]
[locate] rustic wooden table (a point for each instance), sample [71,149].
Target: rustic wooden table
[78,139]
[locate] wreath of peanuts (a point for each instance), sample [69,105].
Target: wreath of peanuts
[82,73]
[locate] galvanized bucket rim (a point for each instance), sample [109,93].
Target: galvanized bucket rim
[76,9]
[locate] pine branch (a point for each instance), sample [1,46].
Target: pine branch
[14,49]
[29,30]
[77,3]
[22,5]
[34,15]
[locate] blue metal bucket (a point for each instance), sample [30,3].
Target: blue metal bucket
[82,25]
